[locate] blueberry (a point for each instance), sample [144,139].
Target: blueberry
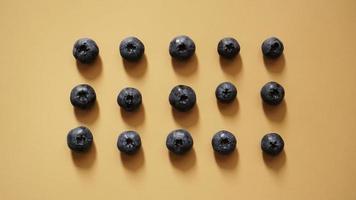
[179,141]
[272,144]
[132,49]
[129,142]
[79,139]
[272,47]
[228,47]
[82,96]
[182,47]
[224,142]
[85,50]
[226,92]
[272,93]
[182,98]
[129,99]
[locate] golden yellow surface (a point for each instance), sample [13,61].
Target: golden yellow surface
[317,119]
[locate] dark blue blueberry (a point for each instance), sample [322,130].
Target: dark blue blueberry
[272,144]
[182,47]
[82,96]
[226,92]
[129,142]
[272,47]
[228,47]
[179,141]
[132,49]
[85,50]
[182,98]
[272,93]
[79,139]
[129,99]
[224,142]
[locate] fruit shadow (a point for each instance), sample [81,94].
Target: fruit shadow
[183,162]
[86,159]
[275,65]
[228,162]
[134,118]
[185,67]
[92,70]
[133,162]
[186,119]
[229,109]
[87,116]
[275,113]
[136,69]
[276,163]
[231,66]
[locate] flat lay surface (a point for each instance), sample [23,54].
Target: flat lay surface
[316,119]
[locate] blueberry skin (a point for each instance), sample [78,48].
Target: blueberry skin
[82,96]
[272,144]
[272,48]
[129,142]
[182,98]
[129,99]
[182,47]
[224,142]
[85,50]
[228,47]
[131,49]
[79,139]
[179,141]
[272,93]
[226,92]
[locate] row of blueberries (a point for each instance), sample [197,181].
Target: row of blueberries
[182,47]
[178,141]
[182,97]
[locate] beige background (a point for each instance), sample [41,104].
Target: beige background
[317,119]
